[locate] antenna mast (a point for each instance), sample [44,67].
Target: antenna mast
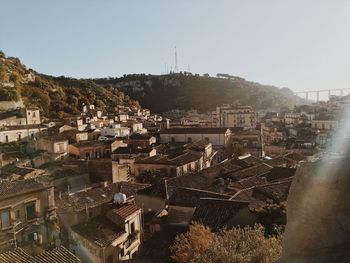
[175,69]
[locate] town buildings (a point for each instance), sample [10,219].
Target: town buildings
[215,168]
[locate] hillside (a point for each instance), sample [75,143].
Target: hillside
[60,96]
[186,91]
[55,96]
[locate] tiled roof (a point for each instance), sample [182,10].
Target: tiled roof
[99,230]
[138,136]
[191,197]
[130,150]
[278,192]
[122,211]
[256,170]
[58,254]
[203,180]
[194,131]
[12,188]
[217,213]
[278,173]
[96,196]
[184,157]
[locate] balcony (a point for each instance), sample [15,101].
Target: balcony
[131,239]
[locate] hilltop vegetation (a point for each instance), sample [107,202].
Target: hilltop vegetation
[55,96]
[186,91]
[60,96]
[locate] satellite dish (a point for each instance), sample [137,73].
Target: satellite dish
[119,198]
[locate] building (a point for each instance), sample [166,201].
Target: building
[90,149]
[100,230]
[216,136]
[53,144]
[114,130]
[20,132]
[27,212]
[236,116]
[24,116]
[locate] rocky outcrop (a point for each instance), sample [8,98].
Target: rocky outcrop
[318,213]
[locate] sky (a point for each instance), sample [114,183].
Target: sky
[302,45]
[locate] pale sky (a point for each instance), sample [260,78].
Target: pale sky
[300,44]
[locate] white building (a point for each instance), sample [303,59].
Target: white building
[114,130]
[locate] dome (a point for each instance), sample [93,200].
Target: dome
[119,198]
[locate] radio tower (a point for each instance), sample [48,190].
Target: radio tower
[175,69]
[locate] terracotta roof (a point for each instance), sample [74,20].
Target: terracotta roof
[190,197]
[99,230]
[278,173]
[194,131]
[13,188]
[122,211]
[204,180]
[96,196]
[217,213]
[278,192]
[58,254]
[138,136]
[256,170]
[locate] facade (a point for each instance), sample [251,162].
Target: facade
[20,133]
[33,116]
[324,124]
[216,136]
[90,149]
[53,144]
[236,116]
[114,130]
[98,229]
[27,212]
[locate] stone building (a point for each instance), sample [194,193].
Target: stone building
[27,213]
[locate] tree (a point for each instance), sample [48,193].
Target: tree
[272,216]
[239,245]
[195,242]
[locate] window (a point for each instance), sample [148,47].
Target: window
[132,228]
[122,252]
[189,139]
[19,137]
[30,211]
[87,155]
[34,115]
[33,236]
[17,214]
[5,219]
[7,138]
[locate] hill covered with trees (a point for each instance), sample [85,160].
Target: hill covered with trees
[161,93]
[55,96]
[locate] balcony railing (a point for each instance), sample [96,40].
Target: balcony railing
[131,239]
